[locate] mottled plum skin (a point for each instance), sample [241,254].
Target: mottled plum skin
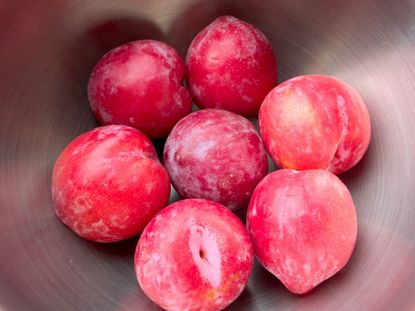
[303,226]
[194,255]
[216,155]
[108,183]
[315,122]
[231,65]
[139,84]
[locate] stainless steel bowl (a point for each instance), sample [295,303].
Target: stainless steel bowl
[46,53]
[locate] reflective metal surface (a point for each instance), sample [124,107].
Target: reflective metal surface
[46,53]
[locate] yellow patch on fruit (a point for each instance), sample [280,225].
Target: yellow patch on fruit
[297,110]
[210,294]
[234,277]
[287,163]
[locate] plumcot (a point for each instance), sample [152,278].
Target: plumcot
[108,183]
[303,226]
[315,122]
[140,84]
[216,155]
[194,255]
[231,65]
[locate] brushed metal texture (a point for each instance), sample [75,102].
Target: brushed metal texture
[47,51]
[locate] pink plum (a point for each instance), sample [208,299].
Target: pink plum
[231,65]
[303,226]
[108,183]
[194,255]
[315,121]
[217,155]
[140,84]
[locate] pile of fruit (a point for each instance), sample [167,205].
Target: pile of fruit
[195,254]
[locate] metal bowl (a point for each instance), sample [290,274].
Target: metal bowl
[47,51]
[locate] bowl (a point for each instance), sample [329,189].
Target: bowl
[48,50]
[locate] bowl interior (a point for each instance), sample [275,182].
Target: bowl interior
[48,50]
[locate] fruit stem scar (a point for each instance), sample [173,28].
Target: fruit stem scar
[202,254]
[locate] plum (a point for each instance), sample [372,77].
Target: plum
[217,155]
[140,84]
[303,226]
[194,255]
[108,183]
[315,122]
[231,65]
